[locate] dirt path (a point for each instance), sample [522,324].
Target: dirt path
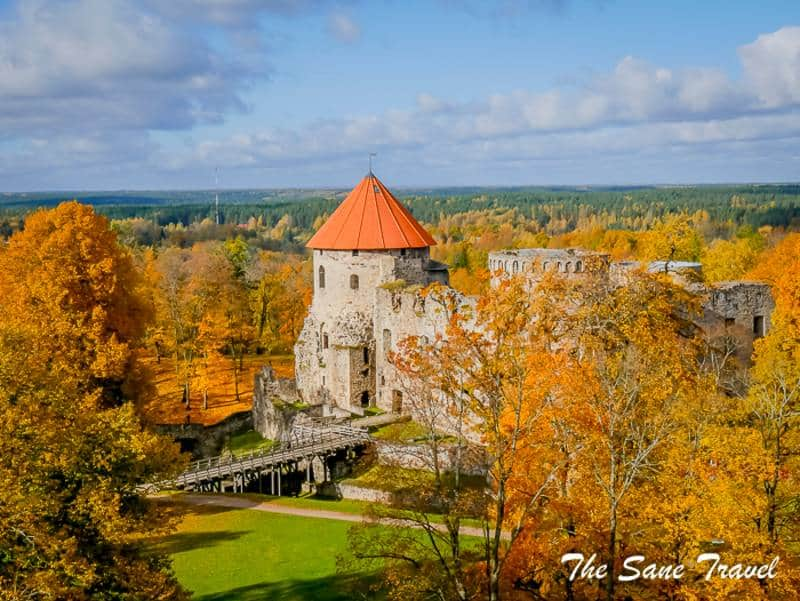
[240,503]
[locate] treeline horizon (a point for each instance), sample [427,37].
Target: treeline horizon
[776,205]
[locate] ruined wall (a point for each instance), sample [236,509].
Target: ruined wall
[207,441]
[341,354]
[533,262]
[738,312]
[274,405]
[415,267]
[473,460]
[398,315]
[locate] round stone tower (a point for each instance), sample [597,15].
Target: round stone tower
[370,239]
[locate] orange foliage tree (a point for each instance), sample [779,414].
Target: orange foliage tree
[71,525]
[603,430]
[86,292]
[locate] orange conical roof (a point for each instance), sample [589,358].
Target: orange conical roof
[370,218]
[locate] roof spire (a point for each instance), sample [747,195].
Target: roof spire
[371,154]
[370,218]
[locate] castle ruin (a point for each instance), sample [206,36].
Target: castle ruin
[371,258]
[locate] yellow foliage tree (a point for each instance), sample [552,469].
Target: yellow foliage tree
[673,239]
[72,523]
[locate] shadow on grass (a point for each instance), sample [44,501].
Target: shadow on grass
[177,504]
[330,588]
[188,541]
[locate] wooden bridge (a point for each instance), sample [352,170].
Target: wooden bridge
[308,451]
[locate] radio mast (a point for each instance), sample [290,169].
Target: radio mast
[216,195]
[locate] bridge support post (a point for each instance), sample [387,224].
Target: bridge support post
[259,480]
[279,480]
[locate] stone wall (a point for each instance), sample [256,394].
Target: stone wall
[341,357]
[207,441]
[339,333]
[337,294]
[275,405]
[420,457]
[400,313]
[739,311]
[344,490]
[535,261]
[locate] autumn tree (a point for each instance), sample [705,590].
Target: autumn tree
[487,382]
[731,259]
[279,299]
[635,347]
[179,312]
[86,293]
[673,239]
[72,523]
[234,305]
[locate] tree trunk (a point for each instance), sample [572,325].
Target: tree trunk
[569,593]
[612,551]
[494,543]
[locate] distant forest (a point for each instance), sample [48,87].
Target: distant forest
[620,207]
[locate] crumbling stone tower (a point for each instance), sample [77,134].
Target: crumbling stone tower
[369,240]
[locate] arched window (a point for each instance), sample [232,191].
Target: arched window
[366,355]
[567,267]
[515,267]
[559,266]
[321,276]
[354,282]
[324,341]
[578,266]
[545,265]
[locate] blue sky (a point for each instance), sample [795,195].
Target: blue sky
[135,94]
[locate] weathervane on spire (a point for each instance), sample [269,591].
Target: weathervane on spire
[371,154]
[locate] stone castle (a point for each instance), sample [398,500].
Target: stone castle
[371,258]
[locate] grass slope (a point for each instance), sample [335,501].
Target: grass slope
[243,555]
[242,444]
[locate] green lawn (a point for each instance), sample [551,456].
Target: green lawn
[399,432]
[245,555]
[242,444]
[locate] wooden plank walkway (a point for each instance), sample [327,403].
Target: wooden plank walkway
[305,443]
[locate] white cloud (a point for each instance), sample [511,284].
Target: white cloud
[637,107]
[84,83]
[772,66]
[343,28]
[102,65]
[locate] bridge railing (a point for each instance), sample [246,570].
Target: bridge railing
[304,440]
